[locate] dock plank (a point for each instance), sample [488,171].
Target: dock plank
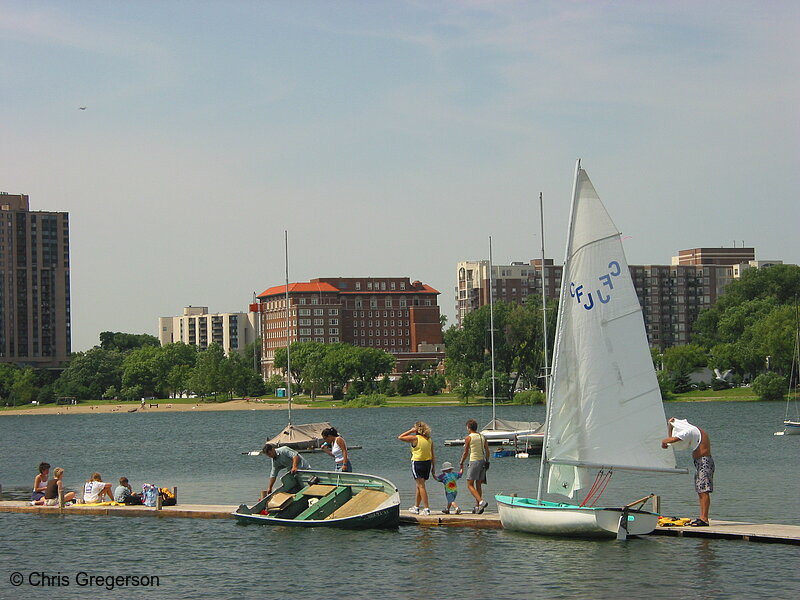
[718,529]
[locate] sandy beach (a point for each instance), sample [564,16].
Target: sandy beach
[167,406]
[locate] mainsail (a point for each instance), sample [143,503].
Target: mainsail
[605,407]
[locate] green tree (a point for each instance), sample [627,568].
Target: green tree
[90,373]
[24,390]
[123,342]
[209,376]
[770,386]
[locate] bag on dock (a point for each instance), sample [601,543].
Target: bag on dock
[167,497]
[149,494]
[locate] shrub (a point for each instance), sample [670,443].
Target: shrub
[770,386]
[529,397]
[719,384]
[368,400]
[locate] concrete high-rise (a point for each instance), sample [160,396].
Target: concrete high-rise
[34,284]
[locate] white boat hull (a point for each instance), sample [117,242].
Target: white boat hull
[791,428]
[550,518]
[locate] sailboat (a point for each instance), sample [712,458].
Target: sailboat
[604,408]
[791,424]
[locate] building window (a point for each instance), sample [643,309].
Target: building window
[315,301]
[388,303]
[333,331]
[319,321]
[305,312]
[318,312]
[358,285]
[333,322]
[333,311]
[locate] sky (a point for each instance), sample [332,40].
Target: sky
[389,138]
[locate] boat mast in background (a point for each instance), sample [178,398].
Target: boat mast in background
[288,328]
[491,329]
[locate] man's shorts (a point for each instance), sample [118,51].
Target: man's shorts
[704,477]
[421,469]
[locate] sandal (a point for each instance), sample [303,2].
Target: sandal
[698,523]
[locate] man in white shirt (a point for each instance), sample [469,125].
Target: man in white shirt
[682,435]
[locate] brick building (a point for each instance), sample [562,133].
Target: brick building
[672,296]
[393,314]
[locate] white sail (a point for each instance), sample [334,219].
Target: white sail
[605,407]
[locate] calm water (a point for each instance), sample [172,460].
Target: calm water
[201,453]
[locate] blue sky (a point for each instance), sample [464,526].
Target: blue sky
[388,138]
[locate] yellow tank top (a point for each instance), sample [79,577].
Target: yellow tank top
[422,451]
[476,450]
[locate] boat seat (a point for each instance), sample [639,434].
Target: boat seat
[317,490]
[325,505]
[363,502]
[279,501]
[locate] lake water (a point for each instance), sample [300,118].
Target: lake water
[201,453]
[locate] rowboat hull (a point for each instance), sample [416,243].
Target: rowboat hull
[566,520]
[329,499]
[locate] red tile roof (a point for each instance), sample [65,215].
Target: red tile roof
[280,290]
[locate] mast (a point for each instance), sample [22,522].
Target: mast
[561,308]
[544,335]
[288,329]
[491,328]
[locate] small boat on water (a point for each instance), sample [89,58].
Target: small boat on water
[791,424]
[327,499]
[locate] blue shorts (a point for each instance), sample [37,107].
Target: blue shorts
[704,477]
[344,467]
[421,469]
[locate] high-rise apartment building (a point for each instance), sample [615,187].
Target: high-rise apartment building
[672,296]
[232,331]
[393,314]
[34,284]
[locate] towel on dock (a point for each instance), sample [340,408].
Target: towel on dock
[673,521]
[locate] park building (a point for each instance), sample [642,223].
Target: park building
[393,314]
[198,327]
[35,316]
[672,296]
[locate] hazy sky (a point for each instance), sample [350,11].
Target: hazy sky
[388,138]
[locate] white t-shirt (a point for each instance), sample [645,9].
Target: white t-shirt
[688,434]
[91,491]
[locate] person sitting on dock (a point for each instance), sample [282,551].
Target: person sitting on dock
[682,435]
[95,489]
[124,494]
[283,457]
[55,488]
[477,449]
[448,478]
[40,483]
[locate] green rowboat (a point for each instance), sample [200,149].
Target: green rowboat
[327,499]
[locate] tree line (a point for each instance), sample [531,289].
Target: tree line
[133,366]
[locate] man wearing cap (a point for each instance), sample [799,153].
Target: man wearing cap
[283,457]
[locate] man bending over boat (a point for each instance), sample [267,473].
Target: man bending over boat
[283,457]
[682,435]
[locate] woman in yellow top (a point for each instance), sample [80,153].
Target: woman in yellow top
[477,448]
[423,460]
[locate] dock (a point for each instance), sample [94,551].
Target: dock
[730,530]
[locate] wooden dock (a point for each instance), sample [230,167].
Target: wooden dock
[732,530]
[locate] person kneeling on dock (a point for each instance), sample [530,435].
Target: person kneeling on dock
[283,457]
[124,494]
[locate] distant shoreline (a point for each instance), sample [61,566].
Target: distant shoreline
[163,406]
[241,404]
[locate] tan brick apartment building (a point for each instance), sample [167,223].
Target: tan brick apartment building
[34,284]
[393,314]
[671,296]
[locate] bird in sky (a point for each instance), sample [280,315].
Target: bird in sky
[81,108]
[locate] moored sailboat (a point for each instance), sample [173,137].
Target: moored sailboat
[604,408]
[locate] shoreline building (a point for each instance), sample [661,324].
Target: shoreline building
[35,317]
[394,314]
[672,296]
[197,327]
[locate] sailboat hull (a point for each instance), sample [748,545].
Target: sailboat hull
[552,518]
[791,428]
